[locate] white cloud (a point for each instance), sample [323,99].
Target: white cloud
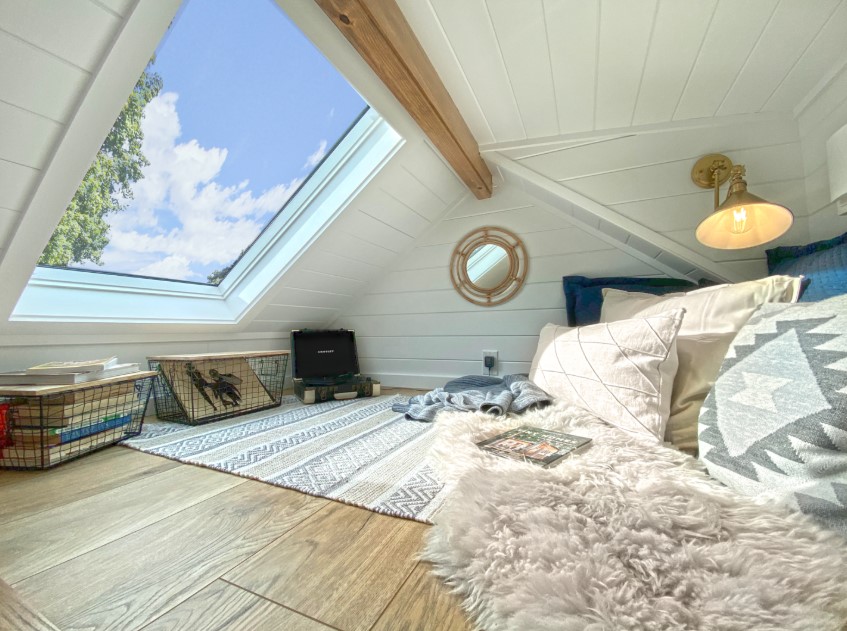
[316,157]
[181,217]
[175,266]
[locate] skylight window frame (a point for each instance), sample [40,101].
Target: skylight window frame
[63,295]
[305,194]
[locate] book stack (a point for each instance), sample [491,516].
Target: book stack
[67,373]
[43,424]
[59,447]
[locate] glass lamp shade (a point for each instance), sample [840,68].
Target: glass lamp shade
[743,221]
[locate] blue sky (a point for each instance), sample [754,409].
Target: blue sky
[248,108]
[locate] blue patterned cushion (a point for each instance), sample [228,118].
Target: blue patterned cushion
[824,263]
[584,296]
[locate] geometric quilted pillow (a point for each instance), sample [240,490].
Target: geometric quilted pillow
[622,372]
[713,317]
[775,422]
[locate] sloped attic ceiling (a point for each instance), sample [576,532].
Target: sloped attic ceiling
[592,139]
[545,68]
[595,110]
[601,108]
[51,133]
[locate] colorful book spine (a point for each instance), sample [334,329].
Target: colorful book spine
[60,436]
[45,456]
[38,414]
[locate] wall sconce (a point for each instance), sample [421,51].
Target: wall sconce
[743,220]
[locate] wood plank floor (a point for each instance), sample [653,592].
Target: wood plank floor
[16,613]
[126,540]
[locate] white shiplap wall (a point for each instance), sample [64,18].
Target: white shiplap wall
[22,350]
[646,176]
[819,118]
[415,330]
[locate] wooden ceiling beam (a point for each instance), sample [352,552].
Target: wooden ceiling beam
[378,30]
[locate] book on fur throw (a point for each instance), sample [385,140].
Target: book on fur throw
[541,447]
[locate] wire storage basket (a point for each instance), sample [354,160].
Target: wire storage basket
[197,389]
[41,427]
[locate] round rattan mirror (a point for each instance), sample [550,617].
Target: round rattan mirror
[489,266]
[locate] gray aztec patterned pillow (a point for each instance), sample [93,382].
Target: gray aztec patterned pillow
[775,423]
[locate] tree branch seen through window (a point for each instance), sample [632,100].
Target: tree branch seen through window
[83,232]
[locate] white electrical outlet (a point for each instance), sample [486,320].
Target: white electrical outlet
[495,369]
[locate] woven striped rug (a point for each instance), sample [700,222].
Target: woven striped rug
[358,452]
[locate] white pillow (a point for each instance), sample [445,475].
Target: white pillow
[713,316]
[622,372]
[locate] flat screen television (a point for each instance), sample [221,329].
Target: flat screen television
[323,354]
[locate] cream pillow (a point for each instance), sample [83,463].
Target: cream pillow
[713,316]
[622,372]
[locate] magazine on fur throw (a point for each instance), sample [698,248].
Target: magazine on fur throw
[541,447]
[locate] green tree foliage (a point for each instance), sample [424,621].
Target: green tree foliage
[83,233]
[218,275]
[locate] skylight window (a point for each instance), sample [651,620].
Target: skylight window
[239,110]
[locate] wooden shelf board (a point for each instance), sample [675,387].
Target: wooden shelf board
[39,391]
[212,356]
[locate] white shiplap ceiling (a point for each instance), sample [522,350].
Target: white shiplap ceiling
[48,54]
[543,68]
[519,70]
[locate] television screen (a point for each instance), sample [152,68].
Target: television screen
[320,354]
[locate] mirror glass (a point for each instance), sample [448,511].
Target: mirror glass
[488,266]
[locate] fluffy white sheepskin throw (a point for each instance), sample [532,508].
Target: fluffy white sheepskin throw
[628,534]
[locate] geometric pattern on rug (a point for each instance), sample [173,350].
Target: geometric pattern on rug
[415,493]
[359,452]
[776,419]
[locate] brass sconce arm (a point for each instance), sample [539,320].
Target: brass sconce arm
[711,171]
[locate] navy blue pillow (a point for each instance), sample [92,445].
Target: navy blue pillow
[584,296]
[824,263]
[790,252]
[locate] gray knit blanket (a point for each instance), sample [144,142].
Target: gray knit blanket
[511,394]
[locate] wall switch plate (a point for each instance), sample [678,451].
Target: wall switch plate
[495,369]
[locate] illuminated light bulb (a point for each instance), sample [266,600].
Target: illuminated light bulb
[743,220]
[739,223]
